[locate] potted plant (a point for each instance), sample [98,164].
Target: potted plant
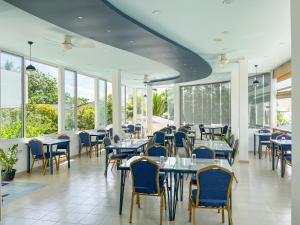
[7,161]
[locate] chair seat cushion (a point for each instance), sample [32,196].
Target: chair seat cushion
[194,180]
[265,142]
[220,155]
[93,143]
[152,191]
[119,156]
[213,203]
[128,151]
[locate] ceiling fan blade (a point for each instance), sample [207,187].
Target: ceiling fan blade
[84,45]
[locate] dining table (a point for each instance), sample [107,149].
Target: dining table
[124,145]
[283,146]
[218,146]
[49,142]
[99,136]
[174,168]
[212,128]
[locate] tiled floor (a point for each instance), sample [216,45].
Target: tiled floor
[82,195]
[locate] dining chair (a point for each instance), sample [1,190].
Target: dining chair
[264,140]
[150,185]
[115,158]
[62,148]
[137,130]
[178,136]
[186,148]
[223,132]
[203,131]
[38,153]
[213,192]
[157,150]
[159,138]
[287,151]
[85,142]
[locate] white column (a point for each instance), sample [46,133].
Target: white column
[97,106]
[61,100]
[134,106]
[235,119]
[273,103]
[243,110]
[295,20]
[149,109]
[116,98]
[176,105]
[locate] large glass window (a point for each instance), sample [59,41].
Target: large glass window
[259,101]
[171,105]
[284,102]
[85,102]
[102,98]
[141,105]
[70,82]
[205,104]
[109,103]
[123,103]
[129,104]
[42,100]
[11,96]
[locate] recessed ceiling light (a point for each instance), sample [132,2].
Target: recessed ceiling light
[225,32]
[131,41]
[227,2]
[80,17]
[184,64]
[108,31]
[217,39]
[156,12]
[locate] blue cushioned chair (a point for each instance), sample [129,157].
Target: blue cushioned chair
[87,143]
[223,132]
[203,131]
[159,138]
[151,185]
[264,140]
[131,129]
[213,191]
[38,153]
[116,158]
[178,140]
[138,129]
[157,150]
[287,151]
[62,148]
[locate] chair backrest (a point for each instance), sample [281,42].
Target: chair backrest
[275,135]
[36,148]
[145,176]
[284,137]
[110,131]
[186,148]
[225,130]
[168,130]
[178,138]
[159,138]
[106,141]
[137,128]
[201,128]
[63,145]
[116,138]
[214,183]
[203,152]
[262,137]
[130,128]
[263,131]
[235,150]
[84,138]
[101,130]
[157,150]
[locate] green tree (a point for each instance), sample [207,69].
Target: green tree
[160,103]
[129,108]
[86,118]
[281,121]
[109,109]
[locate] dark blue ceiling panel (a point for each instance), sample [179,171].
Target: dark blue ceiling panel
[126,33]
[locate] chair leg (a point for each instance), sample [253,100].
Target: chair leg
[33,160]
[161,208]
[45,163]
[223,216]
[236,180]
[56,163]
[190,210]
[229,216]
[194,215]
[165,200]
[80,150]
[138,200]
[131,208]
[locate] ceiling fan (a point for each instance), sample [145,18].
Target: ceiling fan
[67,43]
[223,60]
[145,79]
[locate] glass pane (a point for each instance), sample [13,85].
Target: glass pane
[267,99]
[109,103]
[171,105]
[207,106]
[198,104]
[188,106]
[129,104]
[85,102]
[123,102]
[11,96]
[216,104]
[42,100]
[102,96]
[225,103]
[251,102]
[70,77]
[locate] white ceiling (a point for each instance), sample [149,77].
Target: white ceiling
[18,27]
[258,30]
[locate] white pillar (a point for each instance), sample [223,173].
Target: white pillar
[134,106]
[61,100]
[273,103]
[97,106]
[149,109]
[295,20]
[177,105]
[243,110]
[235,119]
[116,98]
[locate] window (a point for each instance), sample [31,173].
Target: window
[42,100]
[141,105]
[70,82]
[259,101]
[11,96]
[205,104]
[85,102]
[109,103]
[171,105]
[284,102]
[129,104]
[102,98]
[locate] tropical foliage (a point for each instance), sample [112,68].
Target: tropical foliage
[160,103]
[9,159]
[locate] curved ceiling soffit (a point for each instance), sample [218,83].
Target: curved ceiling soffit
[100,16]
